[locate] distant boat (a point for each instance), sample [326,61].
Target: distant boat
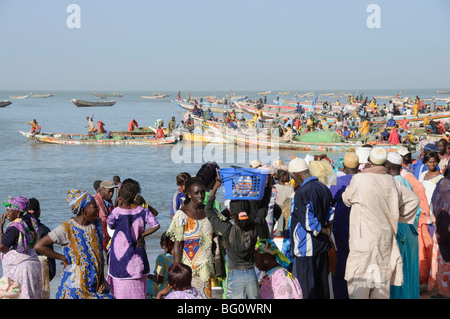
[19,97]
[41,95]
[284,93]
[104,96]
[155,96]
[309,94]
[91,103]
[265,93]
[5,103]
[443,92]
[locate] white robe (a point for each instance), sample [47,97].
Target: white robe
[378,203]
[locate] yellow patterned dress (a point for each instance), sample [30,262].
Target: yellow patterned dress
[197,248]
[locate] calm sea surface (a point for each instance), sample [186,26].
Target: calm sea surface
[47,172]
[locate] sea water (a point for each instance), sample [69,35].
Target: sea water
[47,171]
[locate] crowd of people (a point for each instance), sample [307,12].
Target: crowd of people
[355,123]
[370,225]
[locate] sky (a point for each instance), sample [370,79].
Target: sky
[221,45]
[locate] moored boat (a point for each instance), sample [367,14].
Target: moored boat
[99,139]
[92,103]
[215,108]
[263,140]
[42,95]
[19,97]
[5,103]
[104,96]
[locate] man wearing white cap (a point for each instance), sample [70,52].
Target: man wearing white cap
[309,228]
[407,240]
[407,162]
[378,203]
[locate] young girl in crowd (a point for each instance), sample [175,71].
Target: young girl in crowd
[159,280]
[179,196]
[180,277]
[277,282]
[128,262]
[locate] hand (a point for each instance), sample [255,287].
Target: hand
[101,288]
[2,221]
[140,241]
[65,262]
[163,292]
[218,182]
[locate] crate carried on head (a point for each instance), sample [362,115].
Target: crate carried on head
[244,183]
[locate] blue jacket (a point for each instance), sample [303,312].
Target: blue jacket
[312,210]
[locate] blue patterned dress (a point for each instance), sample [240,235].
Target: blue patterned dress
[81,278]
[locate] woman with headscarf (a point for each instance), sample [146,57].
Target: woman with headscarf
[277,282]
[81,240]
[19,259]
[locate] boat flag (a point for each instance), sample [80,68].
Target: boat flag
[315,101]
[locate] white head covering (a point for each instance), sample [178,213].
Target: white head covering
[402,151]
[378,155]
[395,158]
[297,165]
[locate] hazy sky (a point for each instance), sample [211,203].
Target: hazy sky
[222,45]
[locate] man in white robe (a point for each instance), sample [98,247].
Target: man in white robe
[378,203]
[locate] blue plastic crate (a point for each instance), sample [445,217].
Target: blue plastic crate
[243,183]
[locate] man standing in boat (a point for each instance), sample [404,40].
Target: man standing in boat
[92,129]
[35,128]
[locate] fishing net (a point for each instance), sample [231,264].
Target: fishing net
[320,137]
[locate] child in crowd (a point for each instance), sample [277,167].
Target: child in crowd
[159,279]
[140,201]
[179,196]
[180,277]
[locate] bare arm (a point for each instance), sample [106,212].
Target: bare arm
[178,251]
[44,247]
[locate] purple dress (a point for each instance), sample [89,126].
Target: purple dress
[128,264]
[190,293]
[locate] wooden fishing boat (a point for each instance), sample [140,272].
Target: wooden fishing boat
[263,140]
[99,139]
[443,92]
[155,96]
[301,96]
[82,103]
[268,111]
[5,103]
[41,95]
[104,96]
[19,97]
[265,93]
[215,108]
[199,135]
[292,105]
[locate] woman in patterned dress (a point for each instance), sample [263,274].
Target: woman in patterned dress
[19,259]
[192,234]
[81,237]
